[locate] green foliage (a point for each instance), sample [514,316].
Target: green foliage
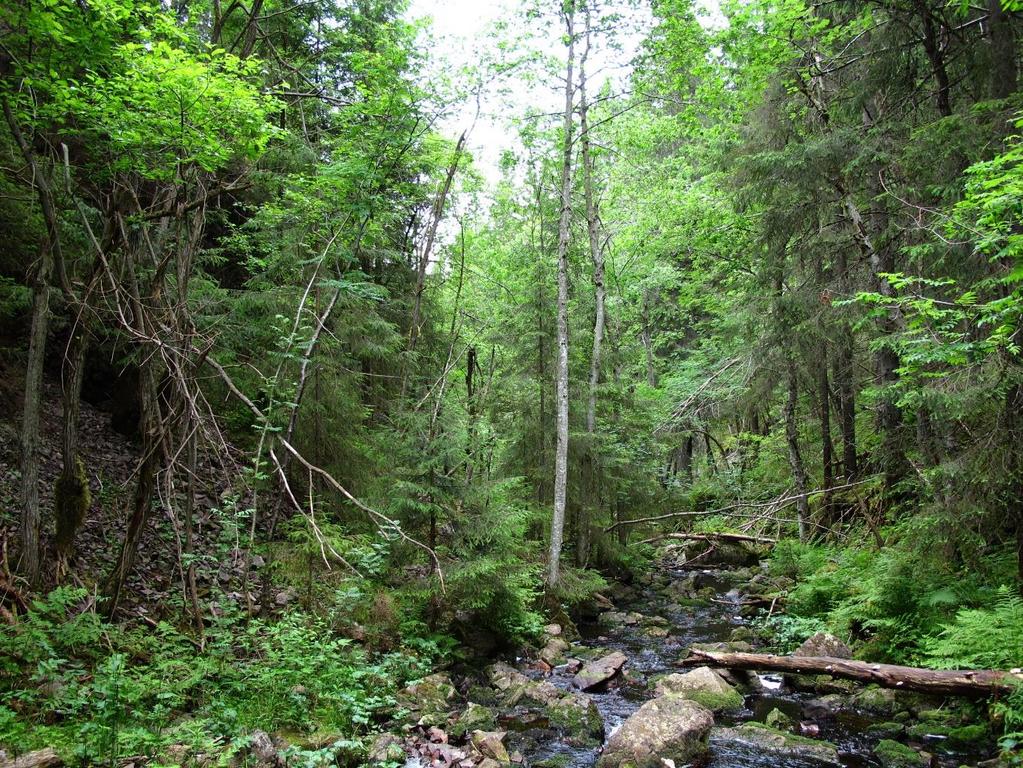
[99,692]
[987,638]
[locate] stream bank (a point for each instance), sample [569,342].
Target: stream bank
[612,692]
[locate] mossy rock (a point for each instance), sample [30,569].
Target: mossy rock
[880,700]
[578,718]
[704,686]
[556,761]
[773,741]
[889,728]
[968,735]
[893,754]
[778,720]
[717,702]
[473,718]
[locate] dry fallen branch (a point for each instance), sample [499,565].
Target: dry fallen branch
[386,525]
[777,504]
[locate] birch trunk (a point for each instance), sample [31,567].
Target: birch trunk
[561,371]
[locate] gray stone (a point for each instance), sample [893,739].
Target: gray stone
[669,727]
[704,686]
[594,674]
[824,644]
[770,741]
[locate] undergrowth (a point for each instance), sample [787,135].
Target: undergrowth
[98,692]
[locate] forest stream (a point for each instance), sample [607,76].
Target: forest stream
[653,625]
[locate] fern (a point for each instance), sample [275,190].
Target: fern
[982,637]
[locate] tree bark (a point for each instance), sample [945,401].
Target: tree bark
[561,373]
[71,497]
[599,320]
[977,683]
[795,458]
[827,450]
[889,417]
[50,258]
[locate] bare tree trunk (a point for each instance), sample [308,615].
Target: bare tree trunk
[71,496]
[887,362]
[436,214]
[561,373]
[593,232]
[599,318]
[50,258]
[795,459]
[827,449]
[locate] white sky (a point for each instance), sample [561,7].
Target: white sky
[460,31]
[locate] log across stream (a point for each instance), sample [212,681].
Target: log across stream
[659,628]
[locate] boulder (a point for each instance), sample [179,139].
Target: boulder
[387,748]
[824,644]
[473,718]
[702,685]
[884,701]
[778,720]
[491,744]
[431,699]
[553,652]
[892,754]
[578,718]
[596,674]
[670,727]
[769,741]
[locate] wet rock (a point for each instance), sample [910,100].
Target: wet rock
[823,708]
[552,630]
[554,650]
[704,686]
[742,679]
[887,729]
[437,735]
[727,554]
[578,718]
[656,632]
[770,741]
[883,701]
[892,754]
[669,727]
[596,674]
[824,644]
[491,744]
[778,720]
[612,619]
[573,665]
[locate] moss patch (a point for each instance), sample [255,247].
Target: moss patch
[892,754]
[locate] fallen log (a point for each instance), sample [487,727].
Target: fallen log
[44,758]
[712,537]
[975,683]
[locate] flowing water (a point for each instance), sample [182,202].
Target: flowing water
[651,656]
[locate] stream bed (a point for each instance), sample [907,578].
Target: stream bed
[712,620]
